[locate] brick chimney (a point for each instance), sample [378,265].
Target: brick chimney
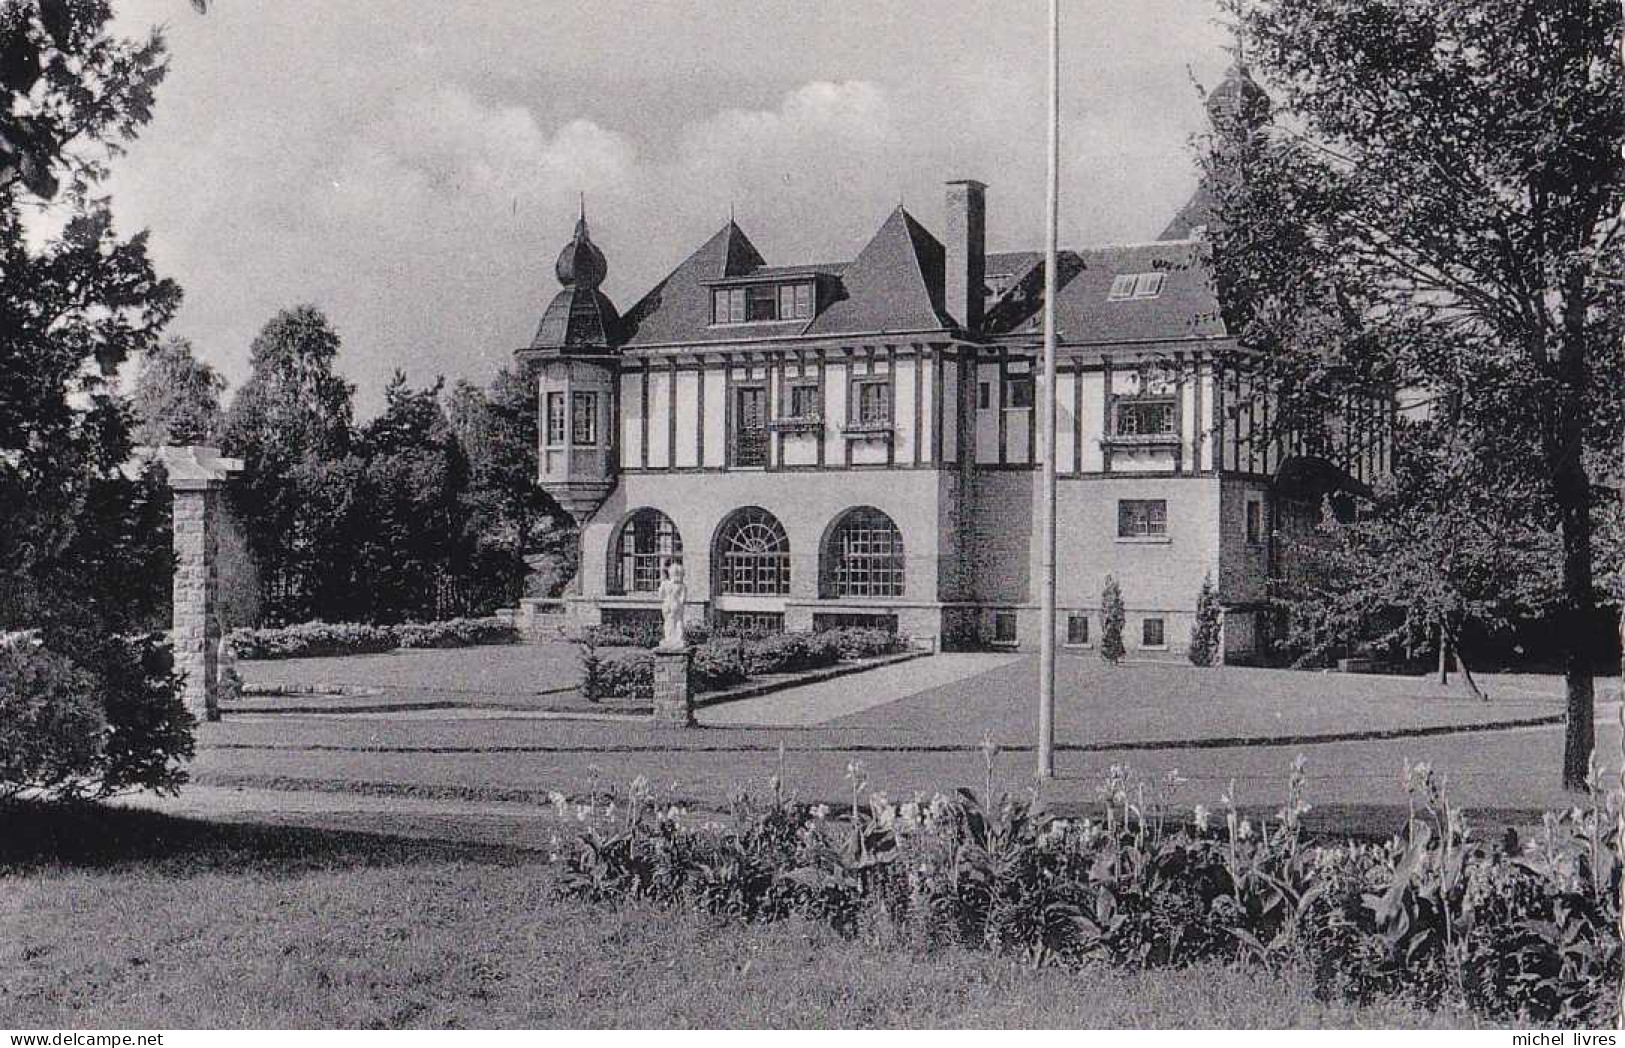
[966,249]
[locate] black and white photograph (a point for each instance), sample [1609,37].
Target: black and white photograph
[811,515]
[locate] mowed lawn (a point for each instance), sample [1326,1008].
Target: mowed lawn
[931,742]
[1137,702]
[168,923]
[514,673]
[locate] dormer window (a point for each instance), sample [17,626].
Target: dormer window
[1135,285]
[762,303]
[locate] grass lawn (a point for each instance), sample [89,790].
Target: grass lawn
[929,742]
[1140,702]
[135,920]
[505,673]
[1503,778]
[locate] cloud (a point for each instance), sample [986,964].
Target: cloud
[444,150]
[416,175]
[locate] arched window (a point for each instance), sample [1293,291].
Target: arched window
[865,556]
[643,545]
[753,554]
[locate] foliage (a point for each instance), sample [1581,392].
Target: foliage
[313,639]
[177,397]
[104,723]
[722,661]
[291,424]
[456,633]
[513,520]
[623,675]
[427,511]
[1112,618]
[415,545]
[1433,917]
[1435,206]
[1206,647]
[51,720]
[82,559]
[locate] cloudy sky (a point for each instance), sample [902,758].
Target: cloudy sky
[412,166]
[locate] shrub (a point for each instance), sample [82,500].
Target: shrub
[626,675]
[1205,647]
[108,722]
[456,633]
[719,664]
[725,660]
[52,725]
[620,635]
[866,642]
[786,653]
[312,639]
[1112,618]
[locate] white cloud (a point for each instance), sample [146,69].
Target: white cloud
[814,124]
[445,149]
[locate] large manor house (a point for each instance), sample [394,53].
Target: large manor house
[856,443]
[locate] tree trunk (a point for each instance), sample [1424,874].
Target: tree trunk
[1450,641]
[1444,659]
[1579,603]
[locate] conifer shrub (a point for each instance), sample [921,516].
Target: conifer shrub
[1112,618]
[1206,647]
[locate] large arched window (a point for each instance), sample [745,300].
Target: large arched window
[642,547]
[752,554]
[864,556]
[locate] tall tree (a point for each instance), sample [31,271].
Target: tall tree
[78,556]
[416,546]
[509,510]
[1434,202]
[177,397]
[291,422]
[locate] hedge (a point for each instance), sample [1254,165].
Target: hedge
[349,638]
[723,662]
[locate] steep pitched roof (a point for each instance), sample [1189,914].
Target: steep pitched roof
[678,309]
[895,284]
[1198,213]
[1186,307]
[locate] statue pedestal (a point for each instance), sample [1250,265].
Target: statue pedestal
[674,688]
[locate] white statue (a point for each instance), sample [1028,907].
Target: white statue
[673,595]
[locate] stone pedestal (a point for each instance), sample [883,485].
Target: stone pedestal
[674,688]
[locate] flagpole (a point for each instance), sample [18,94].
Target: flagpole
[1046,642]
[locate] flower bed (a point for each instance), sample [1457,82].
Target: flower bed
[722,662]
[1514,931]
[348,638]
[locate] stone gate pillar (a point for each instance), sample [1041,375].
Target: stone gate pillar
[197,477]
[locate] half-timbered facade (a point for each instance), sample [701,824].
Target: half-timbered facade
[857,442]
